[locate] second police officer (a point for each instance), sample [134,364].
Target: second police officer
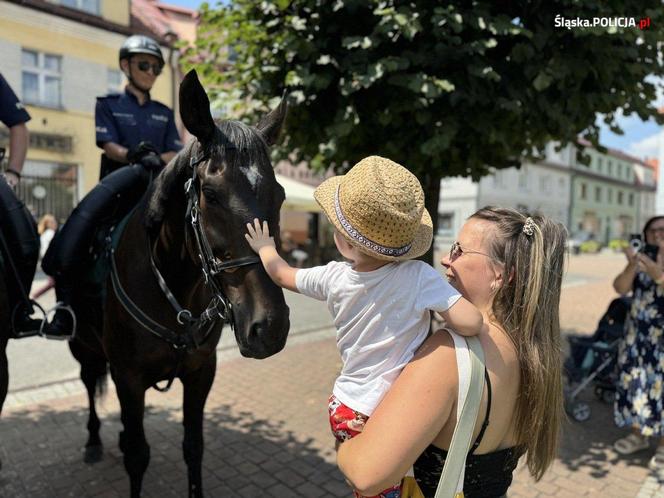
[132,129]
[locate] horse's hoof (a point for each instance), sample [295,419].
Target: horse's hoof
[93,454]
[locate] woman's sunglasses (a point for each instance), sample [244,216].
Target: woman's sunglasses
[145,67]
[456,250]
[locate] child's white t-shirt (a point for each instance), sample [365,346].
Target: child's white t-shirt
[381,317]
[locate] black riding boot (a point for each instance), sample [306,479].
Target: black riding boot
[23,324]
[63,325]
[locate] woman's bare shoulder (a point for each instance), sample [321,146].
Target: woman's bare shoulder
[440,342]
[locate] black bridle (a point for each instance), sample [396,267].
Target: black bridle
[196,330]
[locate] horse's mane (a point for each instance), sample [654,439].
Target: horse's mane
[235,142]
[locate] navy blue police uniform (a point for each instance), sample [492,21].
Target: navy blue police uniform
[17,227]
[121,119]
[12,111]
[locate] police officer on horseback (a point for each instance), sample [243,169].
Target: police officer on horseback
[138,137]
[20,243]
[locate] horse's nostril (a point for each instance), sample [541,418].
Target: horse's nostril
[257,330]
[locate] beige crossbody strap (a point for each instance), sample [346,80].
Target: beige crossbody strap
[451,480]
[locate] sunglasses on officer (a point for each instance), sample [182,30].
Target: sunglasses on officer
[145,67]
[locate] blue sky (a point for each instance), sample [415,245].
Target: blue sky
[190,4]
[640,139]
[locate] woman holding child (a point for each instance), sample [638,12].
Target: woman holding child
[510,267]
[393,405]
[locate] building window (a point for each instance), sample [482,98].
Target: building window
[91,6]
[584,192]
[630,199]
[598,194]
[620,197]
[41,78]
[610,167]
[114,80]
[610,194]
[545,183]
[619,170]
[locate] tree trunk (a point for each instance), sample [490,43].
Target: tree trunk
[431,185]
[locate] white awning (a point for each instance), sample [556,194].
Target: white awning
[299,196]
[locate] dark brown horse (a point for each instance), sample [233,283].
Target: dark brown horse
[182,266]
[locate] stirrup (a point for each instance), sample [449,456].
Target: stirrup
[20,334]
[60,306]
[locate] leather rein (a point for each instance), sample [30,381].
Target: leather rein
[196,330]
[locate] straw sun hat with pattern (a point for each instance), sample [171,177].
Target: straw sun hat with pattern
[378,206]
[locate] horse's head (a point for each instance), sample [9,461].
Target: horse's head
[235,183]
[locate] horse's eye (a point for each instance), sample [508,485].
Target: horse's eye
[210,197]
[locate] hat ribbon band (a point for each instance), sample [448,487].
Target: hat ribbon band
[354,234]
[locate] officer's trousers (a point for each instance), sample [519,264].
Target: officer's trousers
[105,205]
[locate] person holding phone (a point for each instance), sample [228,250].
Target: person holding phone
[639,401]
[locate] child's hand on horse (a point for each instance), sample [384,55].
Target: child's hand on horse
[257,236]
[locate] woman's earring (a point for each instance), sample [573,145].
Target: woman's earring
[493,286]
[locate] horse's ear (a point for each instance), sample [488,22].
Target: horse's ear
[162,191]
[195,108]
[270,125]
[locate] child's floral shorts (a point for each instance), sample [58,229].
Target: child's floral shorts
[347,423]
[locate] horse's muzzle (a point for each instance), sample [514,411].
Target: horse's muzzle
[266,336]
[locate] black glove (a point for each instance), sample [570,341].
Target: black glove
[151,162]
[137,152]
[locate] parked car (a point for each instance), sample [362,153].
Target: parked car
[583,241]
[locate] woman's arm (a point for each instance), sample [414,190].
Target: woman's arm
[407,420]
[623,282]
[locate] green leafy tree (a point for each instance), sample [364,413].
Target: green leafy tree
[444,90]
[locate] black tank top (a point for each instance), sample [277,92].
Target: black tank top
[487,476]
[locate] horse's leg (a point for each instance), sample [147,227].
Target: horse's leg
[197,385]
[93,375]
[133,444]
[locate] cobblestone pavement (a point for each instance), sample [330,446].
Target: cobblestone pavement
[266,427]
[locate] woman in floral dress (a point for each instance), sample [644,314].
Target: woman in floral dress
[639,401]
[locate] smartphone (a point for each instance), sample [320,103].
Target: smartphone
[651,251]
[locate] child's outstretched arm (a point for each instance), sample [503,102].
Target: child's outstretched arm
[276,267]
[463,317]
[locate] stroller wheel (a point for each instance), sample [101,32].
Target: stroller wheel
[579,411]
[605,395]
[608,396]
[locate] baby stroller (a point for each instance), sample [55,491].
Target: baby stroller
[592,360]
